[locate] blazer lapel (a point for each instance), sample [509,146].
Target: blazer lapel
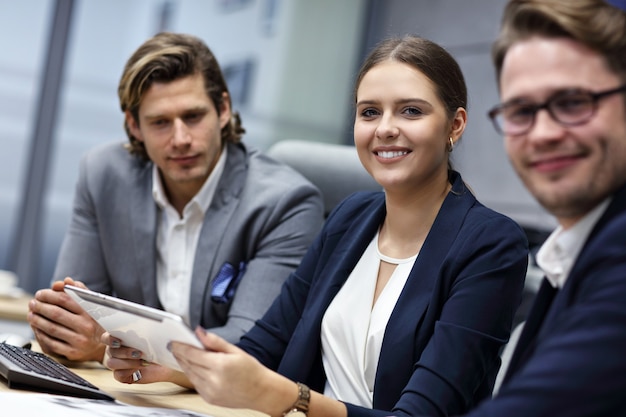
[361,232]
[144,220]
[342,250]
[346,248]
[526,342]
[214,227]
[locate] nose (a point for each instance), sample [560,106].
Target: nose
[387,128]
[545,128]
[180,133]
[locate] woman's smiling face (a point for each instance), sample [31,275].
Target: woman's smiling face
[401,127]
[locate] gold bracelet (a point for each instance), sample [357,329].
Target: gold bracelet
[302,403]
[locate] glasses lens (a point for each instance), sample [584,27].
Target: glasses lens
[515,118]
[572,107]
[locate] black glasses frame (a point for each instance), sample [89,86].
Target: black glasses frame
[594,98]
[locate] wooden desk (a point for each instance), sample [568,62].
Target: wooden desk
[162,394]
[14,308]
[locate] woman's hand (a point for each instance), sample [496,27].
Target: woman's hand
[227,376]
[129,367]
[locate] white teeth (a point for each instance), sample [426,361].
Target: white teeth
[388,155]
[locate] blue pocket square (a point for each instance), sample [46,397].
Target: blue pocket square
[226,281]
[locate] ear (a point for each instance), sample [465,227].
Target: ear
[133,126]
[225,112]
[459,121]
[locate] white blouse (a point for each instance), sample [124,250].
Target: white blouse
[353,330]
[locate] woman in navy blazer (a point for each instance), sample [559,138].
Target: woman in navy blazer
[452,310]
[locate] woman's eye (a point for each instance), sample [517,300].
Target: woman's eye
[412,111]
[369,113]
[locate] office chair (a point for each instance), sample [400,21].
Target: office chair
[334,169]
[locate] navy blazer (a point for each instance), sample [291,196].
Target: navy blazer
[440,350]
[576,364]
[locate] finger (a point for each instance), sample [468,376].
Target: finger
[52,345]
[109,340]
[39,318]
[56,298]
[133,372]
[125,352]
[61,312]
[69,281]
[59,285]
[129,376]
[201,367]
[122,363]
[79,284]
[47,295]
[213,342]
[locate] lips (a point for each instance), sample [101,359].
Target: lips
[553,164]
[184,159]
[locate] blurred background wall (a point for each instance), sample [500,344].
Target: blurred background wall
[290,65]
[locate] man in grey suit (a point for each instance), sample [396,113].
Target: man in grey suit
[182,215]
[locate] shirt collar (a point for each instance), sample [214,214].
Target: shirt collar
[557,255]
[203,198]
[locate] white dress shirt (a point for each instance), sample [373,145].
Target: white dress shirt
[177,239]
[353,330]
[558,253]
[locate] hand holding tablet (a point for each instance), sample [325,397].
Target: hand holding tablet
[147,329]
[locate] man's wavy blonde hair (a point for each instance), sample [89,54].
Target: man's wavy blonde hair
[167,57]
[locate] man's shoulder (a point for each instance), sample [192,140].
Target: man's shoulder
[111,156]
[611,227]
[265,171]
[110,166]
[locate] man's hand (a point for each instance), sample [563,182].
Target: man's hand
[62,327]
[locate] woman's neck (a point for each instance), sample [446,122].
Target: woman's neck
[410,216]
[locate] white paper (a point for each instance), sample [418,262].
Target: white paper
[65,406]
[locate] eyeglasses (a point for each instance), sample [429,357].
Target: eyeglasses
[569,108]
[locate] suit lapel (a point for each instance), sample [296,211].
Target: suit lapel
[341,251]
[144,220]
[525,344]
[214,227]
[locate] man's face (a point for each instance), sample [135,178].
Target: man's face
[181,130]
[571,169]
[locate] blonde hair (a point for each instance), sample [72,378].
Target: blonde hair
[167,57]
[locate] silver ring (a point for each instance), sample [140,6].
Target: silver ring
[136,375]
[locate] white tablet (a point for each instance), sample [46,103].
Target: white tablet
[144,328]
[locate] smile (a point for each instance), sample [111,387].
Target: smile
[555,164]
[391,154]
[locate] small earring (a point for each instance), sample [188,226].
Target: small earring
[451,146]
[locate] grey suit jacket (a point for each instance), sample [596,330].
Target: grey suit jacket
[263,213]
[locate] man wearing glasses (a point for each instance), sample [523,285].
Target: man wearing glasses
[561,69]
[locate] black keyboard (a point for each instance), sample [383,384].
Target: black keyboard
[25,369]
